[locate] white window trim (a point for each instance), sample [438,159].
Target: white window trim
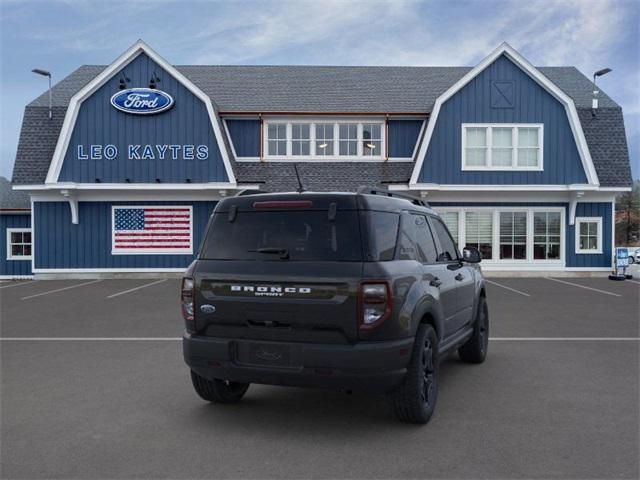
[18,230]
[150,251]
[495,247]
[312,157]
[514,147]
[598,221]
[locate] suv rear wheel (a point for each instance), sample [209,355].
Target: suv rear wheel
[415,400]
[218,391]
[475,350]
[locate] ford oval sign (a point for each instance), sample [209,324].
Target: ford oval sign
[142,101]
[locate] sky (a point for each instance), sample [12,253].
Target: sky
[62,35]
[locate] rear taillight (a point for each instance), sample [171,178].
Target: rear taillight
[374,304]
[186,301]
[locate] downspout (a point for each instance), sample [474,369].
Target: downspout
[386,137]
[261,137]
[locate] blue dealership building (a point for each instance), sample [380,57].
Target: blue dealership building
[124,171]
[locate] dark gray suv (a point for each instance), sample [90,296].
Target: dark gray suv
[352,291]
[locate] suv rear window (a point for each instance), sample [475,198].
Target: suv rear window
[305,235]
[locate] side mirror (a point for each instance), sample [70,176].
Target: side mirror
[471,255]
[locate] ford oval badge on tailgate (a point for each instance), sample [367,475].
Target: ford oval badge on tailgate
[206,308]
[142,101]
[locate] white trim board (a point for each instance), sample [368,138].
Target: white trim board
[135,186]
[109,270]
[535,74]
[127,57]
[496,188]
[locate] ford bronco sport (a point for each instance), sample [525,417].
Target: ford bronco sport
[352,291]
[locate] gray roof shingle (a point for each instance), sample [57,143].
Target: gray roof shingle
[12,199]
[325,90]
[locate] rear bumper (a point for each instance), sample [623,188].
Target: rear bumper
[367,366]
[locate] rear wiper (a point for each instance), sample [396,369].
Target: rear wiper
[283,252]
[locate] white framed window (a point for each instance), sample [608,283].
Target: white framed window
[372,139]
[513,235]
[293,139]
[348,139]
[510,235]
[300,139]
[502,146]
[277,139]
[479,232]
[589,235]
[547,229]
[324,139]
[18,244]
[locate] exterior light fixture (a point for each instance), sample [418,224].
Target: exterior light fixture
[323,145]
[371,146]
[123,82]
[594,102]
[45,73]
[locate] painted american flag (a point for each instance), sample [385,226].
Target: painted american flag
[152,230]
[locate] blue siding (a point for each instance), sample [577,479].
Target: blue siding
[477,102]
[586,260]
[402,137]
[13,267]
[245,135]
[187,123]
[601,209]
[60,244]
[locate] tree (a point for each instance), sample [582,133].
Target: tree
[628,217]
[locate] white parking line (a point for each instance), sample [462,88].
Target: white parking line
[60,289]
[137,288]
[89,339]
[17,284]
[583,286]
[175,339]
[566,339]
[634,281]
[507,288]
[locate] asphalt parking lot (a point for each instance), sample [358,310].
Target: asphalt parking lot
[94,386]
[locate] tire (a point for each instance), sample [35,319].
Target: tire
[218,391]
[632,260]
[414,401]
[475,349]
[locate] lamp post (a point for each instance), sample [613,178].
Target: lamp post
[45,73]
[594,102]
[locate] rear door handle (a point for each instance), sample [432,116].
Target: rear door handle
[459,277]
[435,282]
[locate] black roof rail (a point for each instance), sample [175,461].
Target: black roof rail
[393,194]
[248,191]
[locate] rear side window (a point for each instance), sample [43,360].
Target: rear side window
[304,235]
[449,252]
[382,233]
[426,245]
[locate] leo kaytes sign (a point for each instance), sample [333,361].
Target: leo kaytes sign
[142,101]
[143,152]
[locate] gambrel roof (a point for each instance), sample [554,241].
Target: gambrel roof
[330,89]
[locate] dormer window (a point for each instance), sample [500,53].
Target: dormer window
[318,139]
[502,146]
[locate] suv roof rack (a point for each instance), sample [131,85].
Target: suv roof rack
[390,193]
[248,191]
